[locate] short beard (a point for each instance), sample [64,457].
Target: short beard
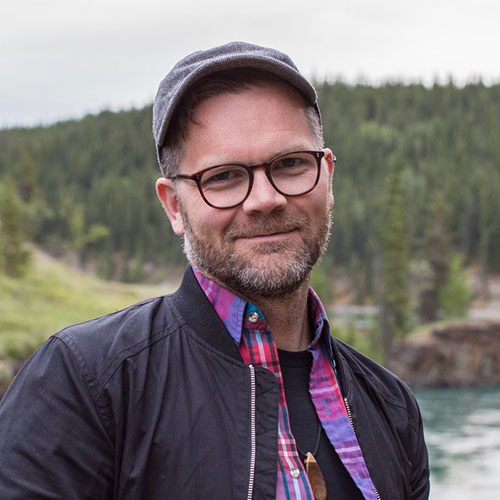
[235,271]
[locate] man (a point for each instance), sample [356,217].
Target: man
[231,388]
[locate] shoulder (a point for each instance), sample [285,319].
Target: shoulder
[360,370]
[386,412]
[100,345]
[121,330]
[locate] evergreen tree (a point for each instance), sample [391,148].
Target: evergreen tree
[14,257]
[489,221]
[394,292]
[437,254]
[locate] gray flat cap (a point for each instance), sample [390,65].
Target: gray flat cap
[204,62]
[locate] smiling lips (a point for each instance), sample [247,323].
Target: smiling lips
[268,237]
[275,228]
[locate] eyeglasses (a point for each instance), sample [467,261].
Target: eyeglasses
[227,186]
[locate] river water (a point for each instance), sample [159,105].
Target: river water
[462,430]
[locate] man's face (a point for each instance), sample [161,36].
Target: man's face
[266,246]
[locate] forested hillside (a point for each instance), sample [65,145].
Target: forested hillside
[419,163]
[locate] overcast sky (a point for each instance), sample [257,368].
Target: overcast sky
[64,58]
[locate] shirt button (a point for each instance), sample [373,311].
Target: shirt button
[295,473]
[253,317]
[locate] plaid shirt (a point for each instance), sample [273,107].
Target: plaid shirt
[249,329]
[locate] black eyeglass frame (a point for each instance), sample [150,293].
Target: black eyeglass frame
[196,177]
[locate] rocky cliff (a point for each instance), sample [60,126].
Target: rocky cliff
[463,354]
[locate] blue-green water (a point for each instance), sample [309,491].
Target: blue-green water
[462,430]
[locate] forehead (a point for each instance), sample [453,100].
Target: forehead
[248,126]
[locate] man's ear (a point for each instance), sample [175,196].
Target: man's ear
[331,167]
[166,194]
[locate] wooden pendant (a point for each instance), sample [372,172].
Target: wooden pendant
[316,478]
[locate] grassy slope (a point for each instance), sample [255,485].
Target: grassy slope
[51,296]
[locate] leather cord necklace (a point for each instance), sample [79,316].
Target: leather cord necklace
[313,471]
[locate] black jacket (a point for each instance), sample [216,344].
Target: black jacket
[154,402]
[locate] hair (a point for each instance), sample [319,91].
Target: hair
[221,82]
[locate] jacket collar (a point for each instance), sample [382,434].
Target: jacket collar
[201,317]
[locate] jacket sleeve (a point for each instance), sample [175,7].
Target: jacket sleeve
[52,440]
[420,485]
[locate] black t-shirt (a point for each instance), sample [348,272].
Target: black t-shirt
[296,368]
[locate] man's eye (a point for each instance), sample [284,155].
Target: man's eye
[223,177]
[288,162]
[291,165]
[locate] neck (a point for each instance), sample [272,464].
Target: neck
[288,318]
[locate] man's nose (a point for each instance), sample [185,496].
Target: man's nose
[263,197]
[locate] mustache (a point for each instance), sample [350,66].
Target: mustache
[266,226]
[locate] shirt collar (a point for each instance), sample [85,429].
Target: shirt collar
[232,310]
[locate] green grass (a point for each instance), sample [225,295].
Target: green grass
[51,296]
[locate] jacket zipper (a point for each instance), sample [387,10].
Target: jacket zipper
[349,415]
[253,445]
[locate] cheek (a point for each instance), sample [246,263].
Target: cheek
[209,223]
[321,197]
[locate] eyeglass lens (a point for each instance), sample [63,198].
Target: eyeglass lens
[292,174]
